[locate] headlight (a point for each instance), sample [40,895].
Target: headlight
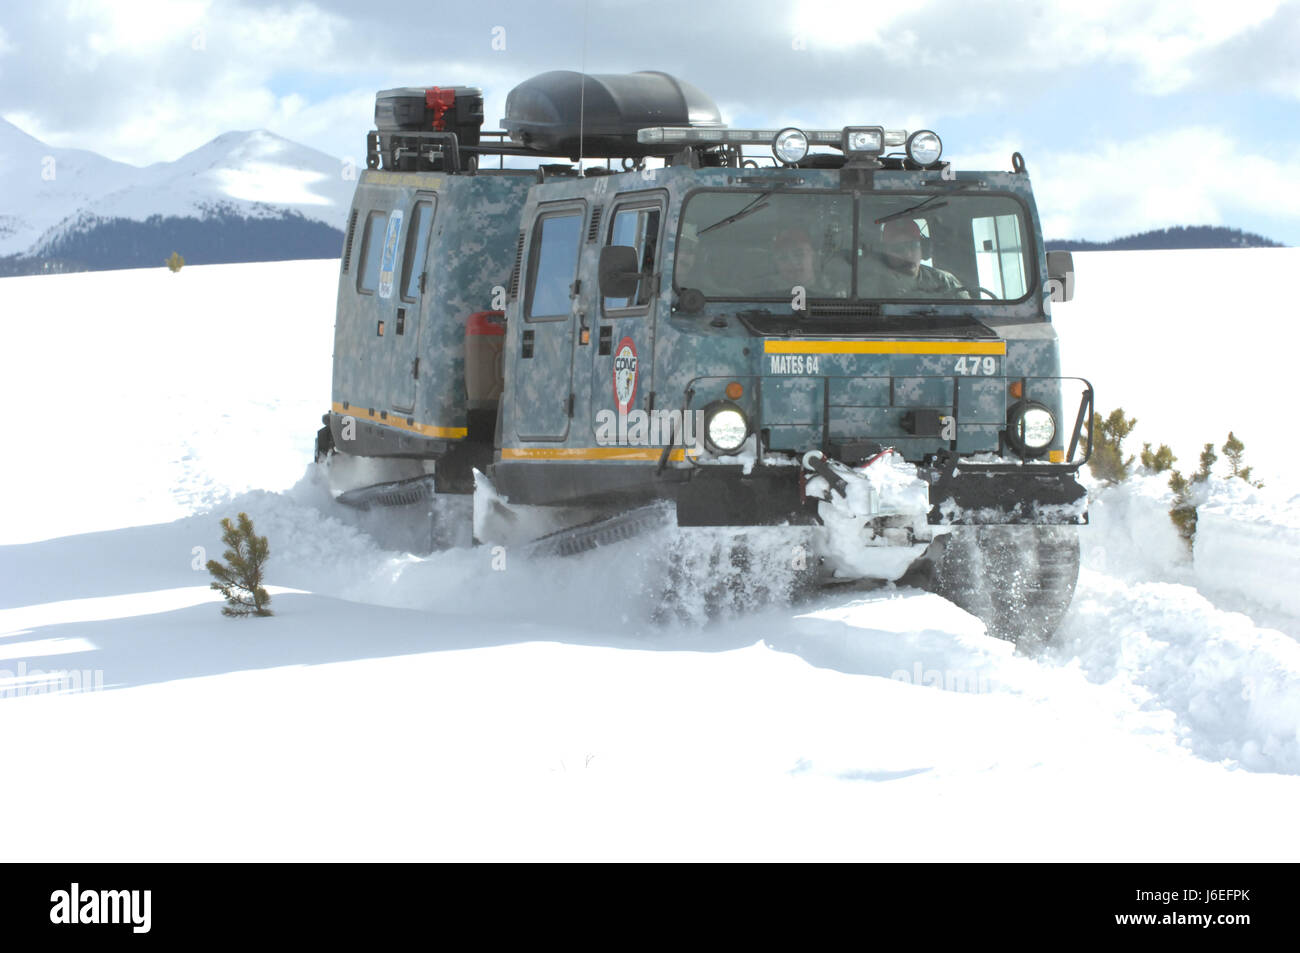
[726,429]
[790,145]
[1030,428]
[924,147]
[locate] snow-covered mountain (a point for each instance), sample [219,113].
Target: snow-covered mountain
[244,196]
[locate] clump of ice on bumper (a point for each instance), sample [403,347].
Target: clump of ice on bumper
[876,527]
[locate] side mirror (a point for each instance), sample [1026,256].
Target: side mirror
[618,271]
[1060,275]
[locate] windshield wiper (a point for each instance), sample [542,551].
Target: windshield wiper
[749,208]
[908,211]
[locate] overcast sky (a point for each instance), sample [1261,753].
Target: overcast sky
[1131,115]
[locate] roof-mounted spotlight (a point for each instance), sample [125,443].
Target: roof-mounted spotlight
[863,140]
[790,145]
[924,147]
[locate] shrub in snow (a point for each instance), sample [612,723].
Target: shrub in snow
[1183,512]
[1157,461]
[175,262]
[1107,462]
[1233,449]
[1190,493]
[241,580]
[1208,458]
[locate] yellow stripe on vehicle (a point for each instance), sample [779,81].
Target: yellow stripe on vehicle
[885,347]
[641,454]
[400,421]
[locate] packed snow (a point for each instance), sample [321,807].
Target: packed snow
[474,704]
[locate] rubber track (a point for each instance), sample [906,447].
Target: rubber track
[603,531]
[396,493]
[1018,580]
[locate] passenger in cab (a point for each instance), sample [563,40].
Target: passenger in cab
[894,269]
[798,265]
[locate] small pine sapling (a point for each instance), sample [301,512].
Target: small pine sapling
[1208,458]
[240,581]
[1183,512]
[1234,450]
[1158,461]
[1108,435]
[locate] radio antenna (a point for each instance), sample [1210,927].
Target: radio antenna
[582,85]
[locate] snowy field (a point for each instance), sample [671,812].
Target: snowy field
[404,707]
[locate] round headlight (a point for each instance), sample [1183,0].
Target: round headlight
[1031,428]
[1038,427]
[924,147]
[726,429]
[790,145]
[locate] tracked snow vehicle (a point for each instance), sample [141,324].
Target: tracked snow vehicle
[728,327]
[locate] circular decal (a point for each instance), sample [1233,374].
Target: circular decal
[624,374]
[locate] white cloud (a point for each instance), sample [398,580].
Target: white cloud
[1162,38]
[988,42]
[1188,176]
[845,24]
[105,28]
[140,82]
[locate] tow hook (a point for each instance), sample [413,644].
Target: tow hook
[815,460]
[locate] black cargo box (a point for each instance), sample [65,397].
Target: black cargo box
[542,113]
[457,109]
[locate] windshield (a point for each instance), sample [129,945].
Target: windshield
[879,247]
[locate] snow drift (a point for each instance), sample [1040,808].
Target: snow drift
[446,706]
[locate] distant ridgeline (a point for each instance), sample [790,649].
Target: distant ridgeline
[102,244]
[1180,236]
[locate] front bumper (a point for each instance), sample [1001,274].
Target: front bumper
[961,490]
[726,496]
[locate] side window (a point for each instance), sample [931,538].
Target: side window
[999,255]
[553,264]
[637,226]
[372,251]
[417,244]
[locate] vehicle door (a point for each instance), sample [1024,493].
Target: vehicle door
[623,361]
[412,291]
[543,402]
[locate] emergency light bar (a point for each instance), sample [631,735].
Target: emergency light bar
[789,144]
[825,137]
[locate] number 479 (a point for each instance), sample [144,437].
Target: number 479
[976,365]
